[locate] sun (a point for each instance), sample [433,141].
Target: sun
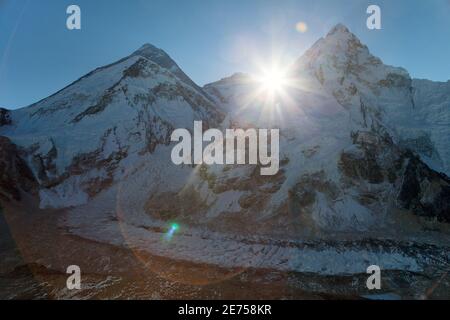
[272,90]
[273,80]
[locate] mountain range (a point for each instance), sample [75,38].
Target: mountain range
[364,170]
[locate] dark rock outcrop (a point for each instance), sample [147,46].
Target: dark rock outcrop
[5,117]
[418,188]
[425,192]
[15,176]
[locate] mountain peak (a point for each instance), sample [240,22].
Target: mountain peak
[341,34]
[339,41]
[339,28]
[161,58]
[147,46]
[151,52]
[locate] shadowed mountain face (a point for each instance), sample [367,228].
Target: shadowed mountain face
[4,117]
[15,175]
[364,152]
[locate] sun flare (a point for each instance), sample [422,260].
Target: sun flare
[272,95]
[273,81]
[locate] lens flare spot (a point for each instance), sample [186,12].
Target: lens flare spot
[174,227]
[301,27]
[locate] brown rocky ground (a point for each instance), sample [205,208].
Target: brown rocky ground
[36,250]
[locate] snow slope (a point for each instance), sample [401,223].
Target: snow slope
[78,140]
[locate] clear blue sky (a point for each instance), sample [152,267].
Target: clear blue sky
[209,39]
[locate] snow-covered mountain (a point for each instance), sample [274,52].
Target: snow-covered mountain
[79,140]
[360,140]
[365,153]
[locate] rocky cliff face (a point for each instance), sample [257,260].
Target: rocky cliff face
[5,118]
[15,176]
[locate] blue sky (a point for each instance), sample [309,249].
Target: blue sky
[209,39]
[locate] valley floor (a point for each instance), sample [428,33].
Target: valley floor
[36,249]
